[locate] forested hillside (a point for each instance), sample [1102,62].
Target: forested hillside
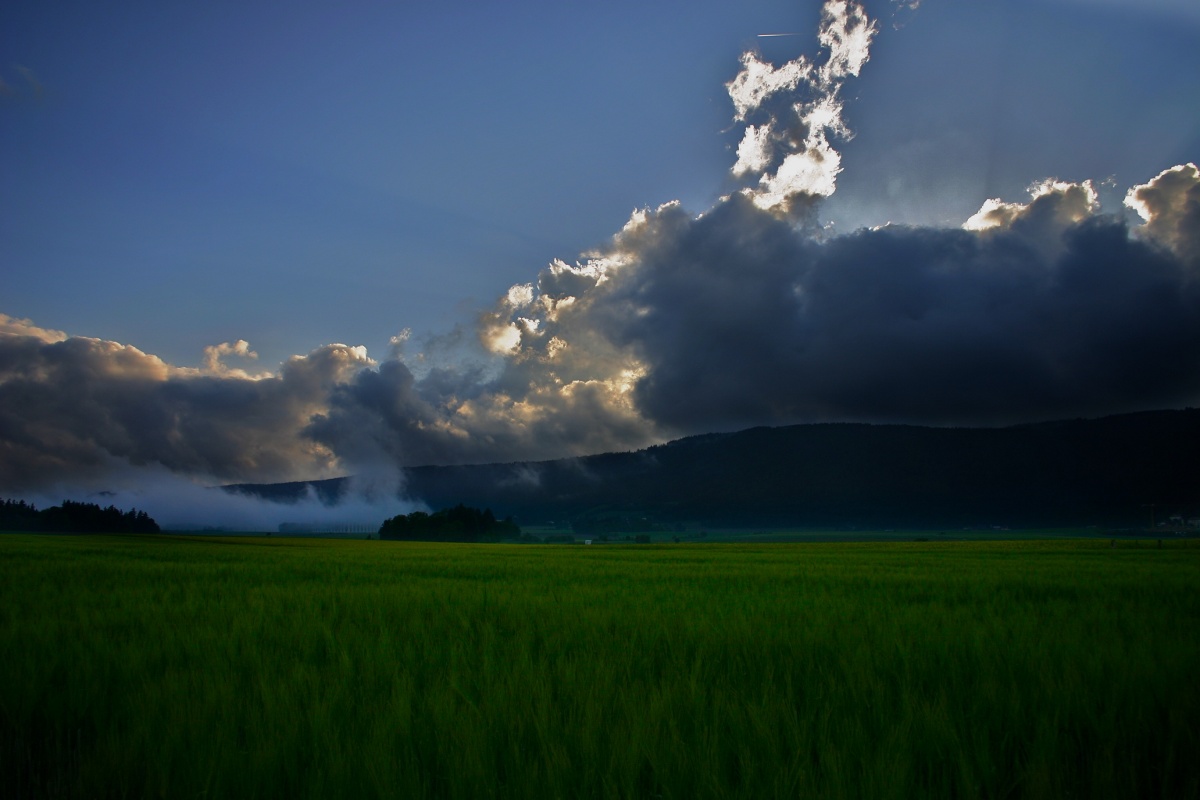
[1114,471]
[73,517]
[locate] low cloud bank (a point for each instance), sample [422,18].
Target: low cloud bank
[75,408]
[179,504]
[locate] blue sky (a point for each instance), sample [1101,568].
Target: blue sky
[189,174]
[179,177]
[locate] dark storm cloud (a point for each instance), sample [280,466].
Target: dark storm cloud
[736,318]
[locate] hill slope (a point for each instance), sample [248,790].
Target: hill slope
[1103,471]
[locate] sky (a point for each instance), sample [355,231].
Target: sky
[237,245]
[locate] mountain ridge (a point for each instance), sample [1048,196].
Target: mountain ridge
[1113,471]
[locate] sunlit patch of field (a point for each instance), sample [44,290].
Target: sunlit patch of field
[262,667]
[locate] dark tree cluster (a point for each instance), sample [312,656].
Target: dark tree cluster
[458,524]
[17,515]
[72,517]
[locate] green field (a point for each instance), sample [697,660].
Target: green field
[189,667]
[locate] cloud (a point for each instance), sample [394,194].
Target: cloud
[72,406]
[759,80]
[737,318]
[1055,206]
[179,504]
[754,151]
[214,356]
[1170,205]
[13,326]
[794,112]
[682,323]
[531,409]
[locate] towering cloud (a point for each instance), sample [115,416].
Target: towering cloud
[794,110]
[745,314]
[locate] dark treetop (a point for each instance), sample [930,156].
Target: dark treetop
[72,517]
[458,524]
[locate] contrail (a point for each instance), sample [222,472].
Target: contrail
[764,35]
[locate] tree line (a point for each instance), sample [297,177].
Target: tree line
[73,517]
[458,524]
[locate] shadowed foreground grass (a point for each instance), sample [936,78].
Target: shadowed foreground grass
[202,667]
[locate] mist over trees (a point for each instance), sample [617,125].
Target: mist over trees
[73,517]
[1105,471]
[1071,472]
[457,524]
